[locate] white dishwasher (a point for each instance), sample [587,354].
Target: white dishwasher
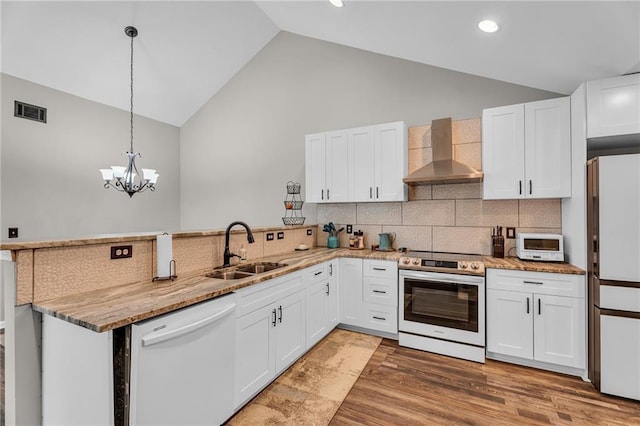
[182,366]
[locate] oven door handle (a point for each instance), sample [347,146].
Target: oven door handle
[442,277]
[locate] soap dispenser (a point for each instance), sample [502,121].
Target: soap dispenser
[243,253]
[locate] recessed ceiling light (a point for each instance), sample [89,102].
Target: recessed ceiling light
[488,26]
[337,3]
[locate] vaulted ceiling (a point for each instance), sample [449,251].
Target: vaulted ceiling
[187,51]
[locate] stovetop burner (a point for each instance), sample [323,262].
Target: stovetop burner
[442,261]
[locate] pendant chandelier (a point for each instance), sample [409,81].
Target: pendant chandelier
[128,179]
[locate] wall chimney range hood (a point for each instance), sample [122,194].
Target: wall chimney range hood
[443,169]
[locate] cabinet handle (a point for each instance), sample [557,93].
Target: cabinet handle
[379,291]
[380,318]
[327,289]
[377,193]
[328,193]
[539,306]
[331,269]
[322,194]
[532,282]
[273,313]
[379,269]
[370,192]
[280,313]
[530,187]
[317,273]
[527,305]
[520,187]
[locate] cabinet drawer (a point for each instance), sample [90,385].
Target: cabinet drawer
[380,317]
[317,273]
[571,285]
[381,269]
[381,290]
[260,295]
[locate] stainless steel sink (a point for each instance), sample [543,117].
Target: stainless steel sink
[244,271]
[229,275]
[259,267]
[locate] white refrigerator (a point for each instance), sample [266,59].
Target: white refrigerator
[613,222]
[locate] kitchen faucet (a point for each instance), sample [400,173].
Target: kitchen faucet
[227,253]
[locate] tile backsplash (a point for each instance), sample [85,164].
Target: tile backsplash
[451,217]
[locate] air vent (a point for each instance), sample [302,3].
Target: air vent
[30,112]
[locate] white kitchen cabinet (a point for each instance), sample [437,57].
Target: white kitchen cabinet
[322,302]
[526,150]
[327,167]
[369,294]
[271,331]
[509,326]
[613,106]
[379,162]
[350,287]
[357,165]
[536,316]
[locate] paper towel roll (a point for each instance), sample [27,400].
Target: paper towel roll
[164,255]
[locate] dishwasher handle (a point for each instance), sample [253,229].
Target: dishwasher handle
[163,336]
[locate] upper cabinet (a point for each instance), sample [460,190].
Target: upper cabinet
[357,165]
[327,167]
[613,106]
[526,150]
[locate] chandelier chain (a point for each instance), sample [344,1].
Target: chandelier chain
[131,98]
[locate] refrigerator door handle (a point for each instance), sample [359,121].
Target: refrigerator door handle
[163,336]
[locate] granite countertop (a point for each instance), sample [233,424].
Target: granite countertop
[107,309]
[533,266]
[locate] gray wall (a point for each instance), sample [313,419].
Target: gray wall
[240,149]
[51,186]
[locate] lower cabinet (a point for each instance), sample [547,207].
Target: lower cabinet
[270,337]
[536,316]
[369,294]
[322,302]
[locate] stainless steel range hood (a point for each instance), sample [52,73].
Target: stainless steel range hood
[443,169]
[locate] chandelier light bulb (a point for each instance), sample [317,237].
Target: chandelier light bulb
[337,3]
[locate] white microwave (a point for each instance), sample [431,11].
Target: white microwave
[543,247]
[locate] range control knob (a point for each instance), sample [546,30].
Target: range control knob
[406,260]
[416,261]
[475,265]
[463,265]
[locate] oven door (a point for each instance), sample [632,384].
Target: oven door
[443,306]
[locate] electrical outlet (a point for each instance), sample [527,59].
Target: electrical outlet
[281,235]
[309,232]
[121,252]
[511,233]
[269,236]
[13,232]
[349,229]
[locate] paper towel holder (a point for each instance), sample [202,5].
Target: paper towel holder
[172,273]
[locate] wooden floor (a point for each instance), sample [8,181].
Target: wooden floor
[402,386]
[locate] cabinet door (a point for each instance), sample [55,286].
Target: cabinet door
[613,106]
[332,303]
[362,159]
[390,162]
[315,169]
[254,352]
[317,312]
[503,152]
[559,324]
[350,283]
[510,323]
[337,167]
[290,330]
[547,148]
